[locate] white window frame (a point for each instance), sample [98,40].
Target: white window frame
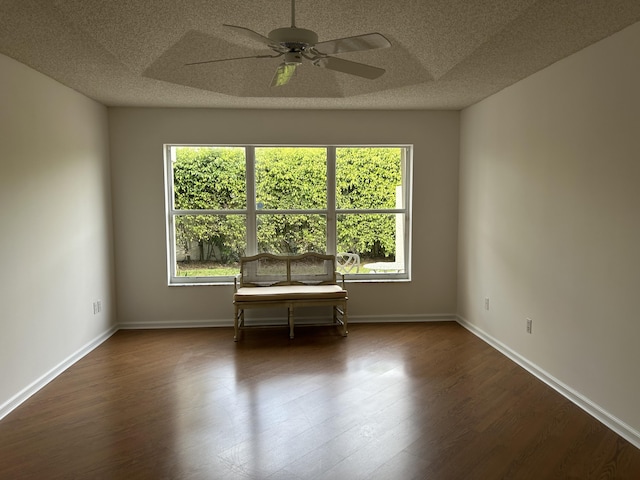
[252,213]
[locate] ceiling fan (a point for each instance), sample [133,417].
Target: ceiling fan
[296,44]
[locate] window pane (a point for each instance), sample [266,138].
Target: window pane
[292,234]
[209,245]
[209,178]
[369,177]
[291,178]
[375,242]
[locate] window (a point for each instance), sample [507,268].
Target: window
[224,202]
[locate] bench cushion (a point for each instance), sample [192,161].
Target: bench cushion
[289,292]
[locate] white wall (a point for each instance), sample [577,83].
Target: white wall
[137,136]
[550,222]
[55,228]
[548,218]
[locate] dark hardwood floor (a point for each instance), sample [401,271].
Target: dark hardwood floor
[401,401]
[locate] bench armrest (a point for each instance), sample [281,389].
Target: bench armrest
[340,278]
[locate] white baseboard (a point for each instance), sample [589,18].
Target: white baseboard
[22,396]
[593,409]
[444,317]
[418,318]
[175,324]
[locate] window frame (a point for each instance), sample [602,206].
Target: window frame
[251,212]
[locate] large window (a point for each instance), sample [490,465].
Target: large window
[224,202]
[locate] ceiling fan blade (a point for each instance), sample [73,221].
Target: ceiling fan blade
[347,66]
[234,58]
[283,74]
[248,33]
[369,41]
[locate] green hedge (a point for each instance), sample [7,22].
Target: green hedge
[286,178]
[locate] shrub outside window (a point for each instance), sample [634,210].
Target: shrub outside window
[224,202]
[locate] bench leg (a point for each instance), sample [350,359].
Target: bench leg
[290,317]
[235,324]
[238,322]
[345,332]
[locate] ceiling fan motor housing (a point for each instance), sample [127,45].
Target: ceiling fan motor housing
[294,39]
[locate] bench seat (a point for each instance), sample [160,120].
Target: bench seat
[289,292]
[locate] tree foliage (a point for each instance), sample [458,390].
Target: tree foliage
[366,178]
[210,179]
[291,179]
[287,178]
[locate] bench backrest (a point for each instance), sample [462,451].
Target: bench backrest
[266,269]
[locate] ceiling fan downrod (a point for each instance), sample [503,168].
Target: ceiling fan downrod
[294,38]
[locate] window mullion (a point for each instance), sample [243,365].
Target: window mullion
[407,182]
[204,211]
[252,235]
[275,211]
[371,210]
[331,200]
[170,238]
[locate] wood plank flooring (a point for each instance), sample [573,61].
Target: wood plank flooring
[394,401]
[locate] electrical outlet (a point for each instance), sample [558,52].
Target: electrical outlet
[486,303]
[97,307]
[529,325]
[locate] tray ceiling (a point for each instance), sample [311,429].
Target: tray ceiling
[445,54]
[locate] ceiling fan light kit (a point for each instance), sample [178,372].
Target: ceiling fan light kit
[296,44]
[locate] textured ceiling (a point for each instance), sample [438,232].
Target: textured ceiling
[445,54]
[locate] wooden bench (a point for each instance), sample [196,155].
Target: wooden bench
[267,280]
